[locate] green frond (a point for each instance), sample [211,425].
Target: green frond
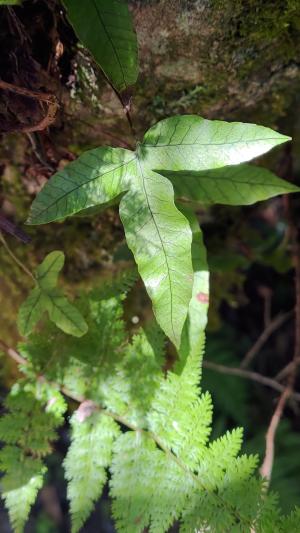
[178,416]
[85,464]
[164,468]
[146,485]
[131,387]
[26,431]
[20,487]
[120,285]
[28,424]
[290,523]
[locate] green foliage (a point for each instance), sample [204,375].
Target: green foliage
[163,466]
[157,233]
[105,29]
[237,185]
[46,297]
[87,460]
[149,427]
[27,430]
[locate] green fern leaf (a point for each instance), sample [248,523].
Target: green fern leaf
[22,480]
[27,430]
[140,486]
[88,457]
[130,388]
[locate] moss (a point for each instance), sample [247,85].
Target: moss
[244,55]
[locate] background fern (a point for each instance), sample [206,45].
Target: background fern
[149,428]
[27,430]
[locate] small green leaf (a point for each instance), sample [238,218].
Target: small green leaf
[31,311]
[105,28]
[65,315]
[46,297]
[96,177]
[232,185]
[189,142]
[47,272]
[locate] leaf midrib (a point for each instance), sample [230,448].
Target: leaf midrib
[211,143]
[161,241]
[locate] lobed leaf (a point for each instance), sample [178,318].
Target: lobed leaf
[190,142]
[46,297]
[96,177]
[232,185]
[157,233]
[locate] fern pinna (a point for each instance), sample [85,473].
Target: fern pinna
[144,431]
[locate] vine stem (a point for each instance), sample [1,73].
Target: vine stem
[16,260]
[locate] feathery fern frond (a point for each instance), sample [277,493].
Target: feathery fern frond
[55,354]
[120,286]
[168,471]
[87,459]
[163,467]
[130,388]
[26,430]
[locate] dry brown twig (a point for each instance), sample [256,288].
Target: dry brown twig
[49,99]
[267,466]
[252,376]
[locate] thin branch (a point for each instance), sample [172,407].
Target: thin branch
[264,336]
[49,99]
[247,374]
[285,372]
[13,354]
[16,260]
[267,466]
